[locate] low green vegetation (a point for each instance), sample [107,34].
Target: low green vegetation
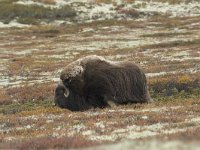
[174,44]
[33,14]
[171,1]
[176,87]
[27,106]
[166,34]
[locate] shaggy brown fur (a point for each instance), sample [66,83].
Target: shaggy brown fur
[92,81]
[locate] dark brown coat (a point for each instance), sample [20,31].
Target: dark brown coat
[92,81]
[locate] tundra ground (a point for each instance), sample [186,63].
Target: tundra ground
[166,48]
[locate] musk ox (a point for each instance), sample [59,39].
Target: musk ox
[93,82]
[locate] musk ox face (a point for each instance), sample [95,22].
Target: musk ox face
[93,82]
[73,79]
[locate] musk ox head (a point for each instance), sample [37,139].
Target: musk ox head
[93,81]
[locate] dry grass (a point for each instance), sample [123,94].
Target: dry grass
[36,92]
[166,34]
[174,44]
[49,143]
[112,1]
[103,1]
[4,97]
[41,121]
[171,1]
[189,135]
[51,2]
[130,13]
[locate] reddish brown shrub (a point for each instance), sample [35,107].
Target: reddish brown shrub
[4,98]
[47,143]
[32,92]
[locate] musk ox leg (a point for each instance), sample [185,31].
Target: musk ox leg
[147,96]
[97,101]
[112,104]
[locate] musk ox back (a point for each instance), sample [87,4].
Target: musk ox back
[92,82]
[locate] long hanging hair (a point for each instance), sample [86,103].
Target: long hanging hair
[92,81]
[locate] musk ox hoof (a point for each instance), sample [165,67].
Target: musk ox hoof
[93,82]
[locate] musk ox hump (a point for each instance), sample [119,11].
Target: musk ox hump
[72,70]
[77,67]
